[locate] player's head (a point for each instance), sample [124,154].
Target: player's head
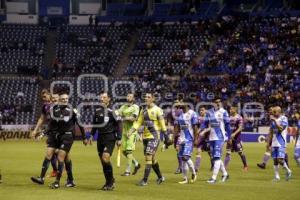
[233,110]
[64,98]
[54,98]
[202,111]
[277,111]
[218,102]
[104,98]
[149,99]
[130,97]
[45,95]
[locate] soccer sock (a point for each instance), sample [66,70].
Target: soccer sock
[286,159]
[276,170]
[185,169]
[227,159]
[179,158]
[45,166]
[135,162]
[216,169]
[108,172]
[147,172]
[156,169]
[266,157]
[68,164]
[191,166]
[286,167]
[243,157]
[60,170]
[223,169]
[197,162]
[54,162]
[129,161]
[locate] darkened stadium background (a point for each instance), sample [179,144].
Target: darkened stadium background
[243,51]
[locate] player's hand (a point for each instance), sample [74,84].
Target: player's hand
[229,141]
[33,134]
[85,142]
[118,143]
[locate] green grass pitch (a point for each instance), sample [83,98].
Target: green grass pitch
[19,160]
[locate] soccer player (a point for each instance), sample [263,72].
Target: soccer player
[128,113]
[109,134]
[175,114]
[217,120]
[152,118]
[202,142]
[267,154]
[279,125]
[187,123]
[297,143]
[235,143]
[44,118]
[61,137]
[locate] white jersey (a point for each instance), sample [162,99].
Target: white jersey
[279,138]
[217,120]
[186,121]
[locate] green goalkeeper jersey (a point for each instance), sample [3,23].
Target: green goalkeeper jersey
[128,110]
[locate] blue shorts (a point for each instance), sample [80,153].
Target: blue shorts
[186,149]
[216,148]
[297,152]
[278,152]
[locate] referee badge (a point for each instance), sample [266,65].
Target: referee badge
[66,118]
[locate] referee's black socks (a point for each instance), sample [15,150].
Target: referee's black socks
[60,170]
[69,170]
[108,172]
[45,166]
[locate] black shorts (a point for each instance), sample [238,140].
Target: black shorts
[106,147]
[150,146]
[60,141]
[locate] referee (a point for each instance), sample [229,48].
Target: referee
[108,128]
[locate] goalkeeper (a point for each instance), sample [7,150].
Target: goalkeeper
[129,113]
[151,117]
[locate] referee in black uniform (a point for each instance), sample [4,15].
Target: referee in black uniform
[108,128]
[61,136]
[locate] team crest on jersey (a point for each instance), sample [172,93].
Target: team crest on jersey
[106,119]
[66,118]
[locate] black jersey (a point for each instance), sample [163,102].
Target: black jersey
[106,124]
[63,120]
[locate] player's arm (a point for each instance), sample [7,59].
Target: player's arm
[163,128]
[137,124]
[207,127]
[82,131]
[227,124]
[40,122]
[280,125]
[240,128]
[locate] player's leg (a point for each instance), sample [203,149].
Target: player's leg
[155,166]
[40,179]
[266,158]
[276,163]
[65,142]
[179,159]
[107,150]
[239,148]
[297,156]
[216,151]
[282,162]
[128,145]
[286,159]
[148,165]
[54,165]
[228,154]
[69,166]
[198,159]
